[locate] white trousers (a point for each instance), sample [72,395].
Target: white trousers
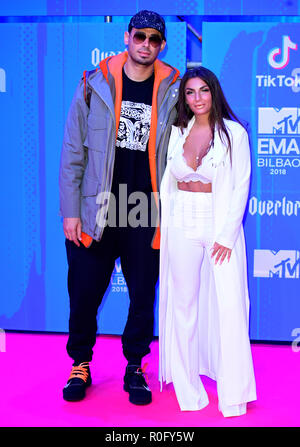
[190,236]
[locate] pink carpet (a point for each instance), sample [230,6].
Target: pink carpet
[35,367]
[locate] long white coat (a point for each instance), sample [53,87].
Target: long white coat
[225,353]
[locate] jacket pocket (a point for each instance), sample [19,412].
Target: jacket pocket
[89,187]
[96,138]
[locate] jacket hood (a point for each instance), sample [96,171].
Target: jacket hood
[114,65]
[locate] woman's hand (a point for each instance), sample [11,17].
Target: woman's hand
[221,253]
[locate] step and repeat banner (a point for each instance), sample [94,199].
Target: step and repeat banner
[40,67]
[258,65]
[164,7]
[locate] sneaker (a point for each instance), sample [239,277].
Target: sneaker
[136,385]
[79,380]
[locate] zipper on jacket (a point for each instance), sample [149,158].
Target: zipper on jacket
[163,126]
[110,160]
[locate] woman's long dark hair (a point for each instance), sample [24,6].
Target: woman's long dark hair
[220,108]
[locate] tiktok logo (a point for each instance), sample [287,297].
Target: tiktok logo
[287,45]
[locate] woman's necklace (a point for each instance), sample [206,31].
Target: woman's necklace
[199,159]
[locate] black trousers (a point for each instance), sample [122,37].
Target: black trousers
[89,274]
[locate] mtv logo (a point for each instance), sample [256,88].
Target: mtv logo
[285,121]
[277,264]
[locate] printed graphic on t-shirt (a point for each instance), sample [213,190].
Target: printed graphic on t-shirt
[134,126]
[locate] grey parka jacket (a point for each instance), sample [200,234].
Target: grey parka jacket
[88,151]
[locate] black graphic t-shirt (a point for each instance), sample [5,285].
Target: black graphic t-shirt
[134,127]
[131,158]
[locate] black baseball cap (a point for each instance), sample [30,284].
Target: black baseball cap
[148,19]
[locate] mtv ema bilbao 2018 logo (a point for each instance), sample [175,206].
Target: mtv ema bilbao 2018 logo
[278,139]
[278,142]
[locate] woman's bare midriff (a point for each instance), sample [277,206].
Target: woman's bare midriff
[194,186]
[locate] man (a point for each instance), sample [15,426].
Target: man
[104,160]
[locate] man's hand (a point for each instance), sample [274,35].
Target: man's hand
[221,252]
[72,229]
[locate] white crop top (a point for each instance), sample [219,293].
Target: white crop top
[185,173]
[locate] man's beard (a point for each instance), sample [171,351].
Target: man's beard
[142,61]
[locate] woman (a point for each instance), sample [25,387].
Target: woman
[204,303]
